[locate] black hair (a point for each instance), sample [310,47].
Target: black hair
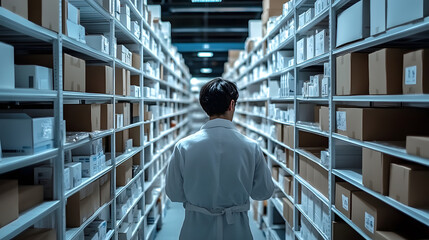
[216,95]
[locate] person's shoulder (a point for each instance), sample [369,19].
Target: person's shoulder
[189,139]
[247,140]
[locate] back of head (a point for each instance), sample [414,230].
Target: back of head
[216,96]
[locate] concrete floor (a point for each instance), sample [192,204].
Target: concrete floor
[174,219]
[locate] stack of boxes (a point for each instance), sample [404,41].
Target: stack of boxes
[72,27]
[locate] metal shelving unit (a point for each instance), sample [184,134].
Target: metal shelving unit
[97,20]
[242,74]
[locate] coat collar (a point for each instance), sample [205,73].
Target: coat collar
[218,122]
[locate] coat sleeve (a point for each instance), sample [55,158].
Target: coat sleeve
[263,186]
[174,178]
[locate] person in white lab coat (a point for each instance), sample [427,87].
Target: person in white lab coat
[215,171]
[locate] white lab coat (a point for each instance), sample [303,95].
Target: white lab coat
[213,170]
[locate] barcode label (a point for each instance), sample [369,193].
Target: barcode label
[345,201]
[411,75]
[369,222]
[341,121]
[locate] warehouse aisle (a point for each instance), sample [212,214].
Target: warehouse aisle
[174,219]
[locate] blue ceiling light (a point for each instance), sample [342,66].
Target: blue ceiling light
[206,70]
[205,54]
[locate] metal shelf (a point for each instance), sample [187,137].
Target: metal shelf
[350,223]
[135,201]
[82,48]
[123,35]
[121,189]
[147,185]
[166,83]
[185,111]
[151,205]
[314,61]
[27,219]
[133,71]
[321,233]
[409,98]
[311,157]
[314,22]
[92,136]
[87,181]
[87,96]
[311,129]
[316,192]
[254,100]
[355,177]
[152,227]
[27,95]
[166,100]
[8,164]
[165,133]
[313,99]
[127,155]
[384,147]
[129,126]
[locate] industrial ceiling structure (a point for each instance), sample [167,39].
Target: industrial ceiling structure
[204,30]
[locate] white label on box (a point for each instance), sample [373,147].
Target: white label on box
[411,75]
[369,222]
[341,121]
[345,201]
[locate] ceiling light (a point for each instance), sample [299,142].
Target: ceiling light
[205,54]
[206,70]
[205,1]
[206,46]
[194,81]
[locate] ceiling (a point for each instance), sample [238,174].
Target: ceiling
[210,27]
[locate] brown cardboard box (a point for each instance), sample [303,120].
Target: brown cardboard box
[418,146]
[288,185]
[82,117]
[352,74]
[271,12]
[147,130]
[289,159]
[275,173]
[121,138]
[124,173]
[104,189]
[8,201]
[372,124]
[385,71]
[343,197]
[19,7]
[106,118]
[288,136]
[233,56]
[99,79]
[37,234]
[135,80]
[81,205]
[288,211]
[310,172]
[316,113]
[307,139]
[408,184]
[342,231]
[74,74]
[415,79]
[279,132]
[303,167]
[387,235]
[122,81]
[370,214]
[135,112]
[376,170]
[29,196]
[136,60]
[324,118]
[321,177]
[124,108]
[273,4]
[45,13]
[135,135]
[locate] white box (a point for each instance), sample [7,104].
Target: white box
[309,14]
[89,164]
[310,47]
[66,175]
[126,20]
[43,175]
[124,54]
[255,28]
[99,226]
[32,76]
[98,42]
[353,23]
[92,148]
[7,67]
[119,120]
[23,135]
[318,7]
[318,215]
[304,199]
[135,29]
[325,87]
[135,91]
[73,13]
[75,173]
[75,31]
[377,16]
[310,206]
[301,20]
[125,231]
[400,12]
[301,51]
[321,42]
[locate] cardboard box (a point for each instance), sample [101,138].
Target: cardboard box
[74,74]
[275,172]
[75,31]
[273,4]
[8,201]
[301,51]
[29,196]
[385,71]
[387,235]
[99,79]
[303,166]
[321,42]
[67,181]
[90,164]
[32,76]
[288,136]
[279,131]
[75,173]
[377,16]
[288,185]
[376,170]
[81,205]
[98,42]
[122,81]
[45,13]
[37,234]
[408,184]
[289,159]
[310,46]
[324,118]
[106,118]
[415,10]
[353,23]
[125,109]
[370,214]
[352,74]
[416,75]
[124,173]
[341,231]
[320,179]
[73,13]
[288,211]
[135,136]
[418,146]
[123,54]
[343,197]
[121,139]
[82,117]
[7,73]
[255,28]
[136,60]
[104,189]
[309,140]
[19,7]
[369,124]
